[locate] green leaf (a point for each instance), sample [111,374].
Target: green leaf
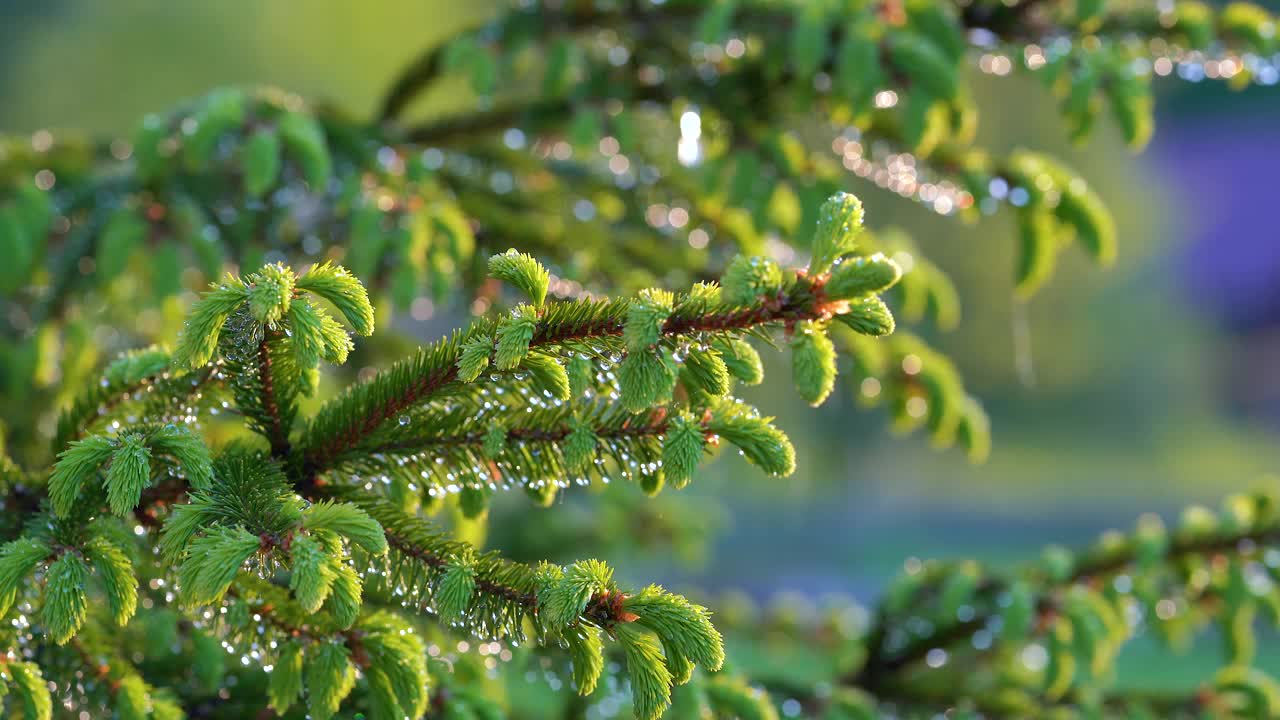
[586,650]
[1061,670]
[741,359]
[684,628]
[495,441]
[132,701]
[115,571]
[580,447]
[313,334]
[932,20]
[839,223]
[18,559]
[522,271]
[329,679]
[646,378]
[760,442]
[1132,106]
[397,664]
[563,597]
[149,153]
[582,375]
[304,139]
[129,473]
[474,358]
[270,293]
[651,483]
[957,589]
[222,111]
[813,362]
[1087,11]
[348,521]
[682,449]
[212,563]
[65,602]
[650,679]
[513,337]
[733,697]
[547,374]
[285,683]
[343,290]
[78,463]
[456,589]
[31,688]
[1018,614]
[714,23]
[312,572]
[1081,208]
[1058,563]
[859,73]
[199,337]
[809,35]
[1039,249]
[706,371]
[124,232]
[17,247]
[562,58]
[868,316]
[164,706]
[344,601]
[645,318]
[260,160]
[188,448]
[861,276]
[747,280]
[1243,20]
[925,64]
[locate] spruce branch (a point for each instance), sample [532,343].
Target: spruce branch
[1091,570]
[283,538]
[342,425]
[422,571]
[1066,592]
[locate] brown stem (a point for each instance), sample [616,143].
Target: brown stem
[277,434]
[433,560]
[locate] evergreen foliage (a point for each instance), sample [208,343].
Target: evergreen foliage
[222,498]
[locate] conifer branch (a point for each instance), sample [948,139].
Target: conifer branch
[1245,542]
[122,382]
[277,433]
[274,542]
[339,427]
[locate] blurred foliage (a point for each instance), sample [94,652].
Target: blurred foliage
[1087,365]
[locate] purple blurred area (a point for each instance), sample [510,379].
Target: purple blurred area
[1225,173]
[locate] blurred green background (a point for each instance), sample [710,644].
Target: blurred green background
[1143,388]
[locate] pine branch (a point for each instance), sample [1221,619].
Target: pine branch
[341,425]
[123,382]
[415,539]
[413,80]
[884,664]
